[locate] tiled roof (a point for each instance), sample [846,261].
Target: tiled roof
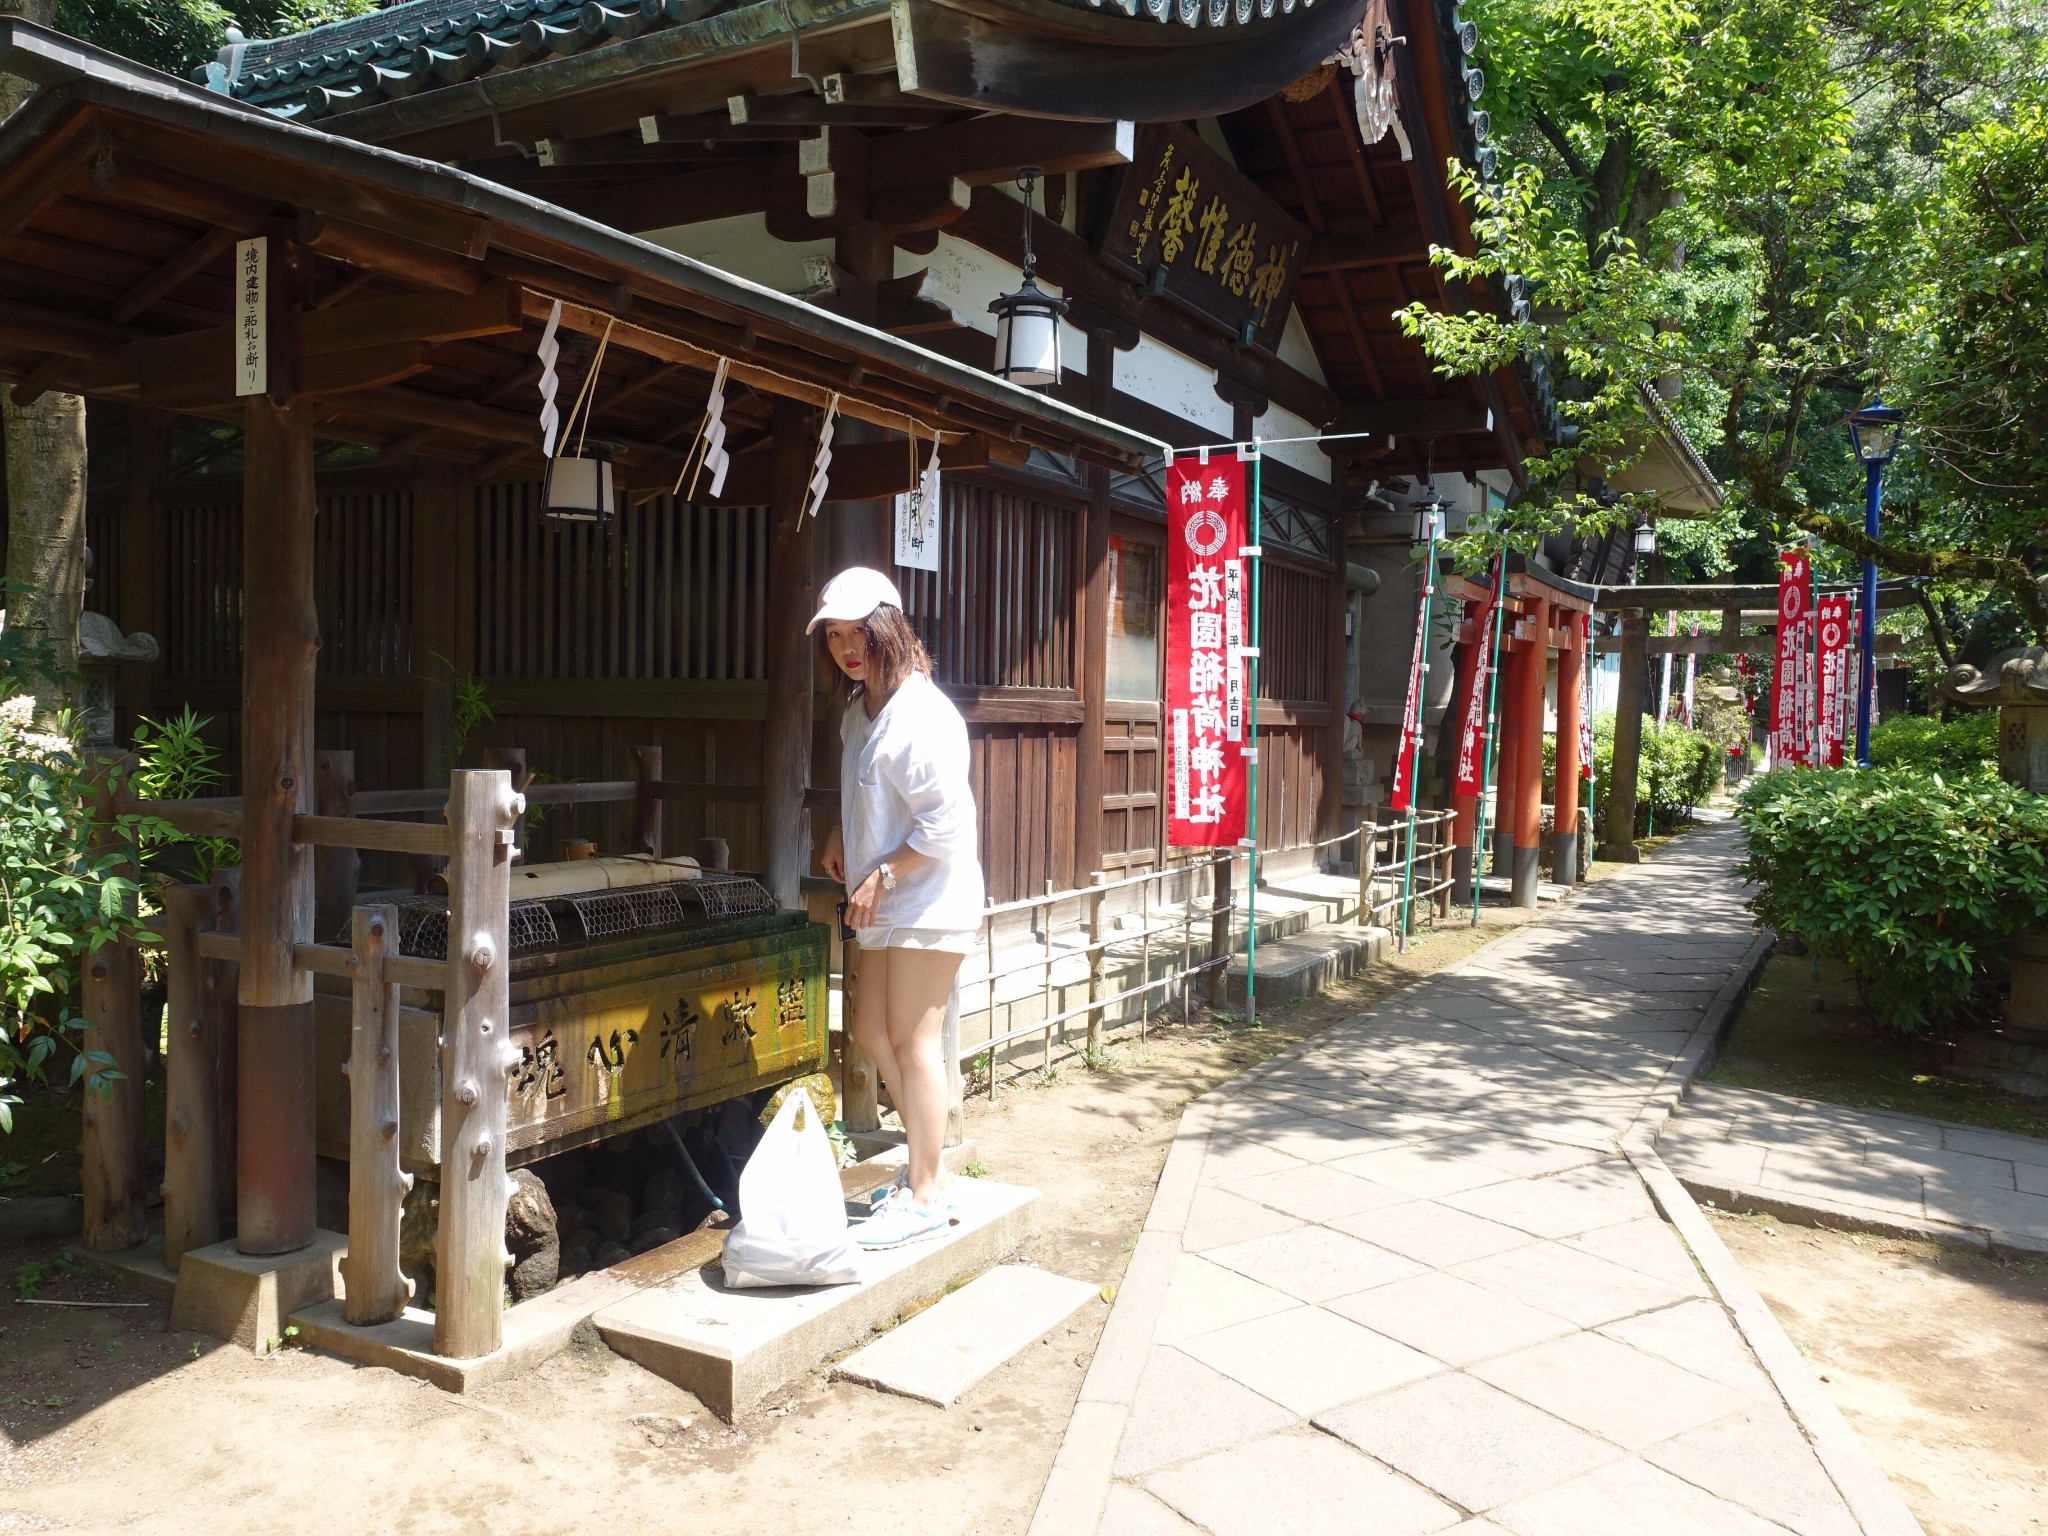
[425,44]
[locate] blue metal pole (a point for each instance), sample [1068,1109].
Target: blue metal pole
[1866,623]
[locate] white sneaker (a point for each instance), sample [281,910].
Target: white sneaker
[900,1220]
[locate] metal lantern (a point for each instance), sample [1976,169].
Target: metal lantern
[1875,431]
[579,486]
[1644,540]
[1430,514]
[1028,321]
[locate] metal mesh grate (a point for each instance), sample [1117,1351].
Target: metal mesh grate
[423,927]
[608,914]
[726,896]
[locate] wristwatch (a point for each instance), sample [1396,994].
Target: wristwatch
[888,876]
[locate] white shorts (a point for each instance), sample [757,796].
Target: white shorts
[950,941]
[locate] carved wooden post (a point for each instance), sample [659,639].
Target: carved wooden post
[111,1155]
[1096,960]
[646,834]
[513,761]
[860,1080]
[219,983]
[335,870]
[1368,857]
[1219,934]
[476,1056]
[275,1196]
[377,1291]
[191,1062]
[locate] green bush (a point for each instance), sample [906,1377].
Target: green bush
[1679,770]
[1963,748]
[1914,881]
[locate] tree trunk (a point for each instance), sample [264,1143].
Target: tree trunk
[45,453]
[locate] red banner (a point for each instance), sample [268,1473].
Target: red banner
[1586,698]
[1208,602]
[1791,693]
[1406,760]
[1473,734]
[1837,617]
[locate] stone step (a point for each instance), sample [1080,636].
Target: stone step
[948,1349]
[1291,969]
[732,1348]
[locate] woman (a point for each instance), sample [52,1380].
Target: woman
[906,852]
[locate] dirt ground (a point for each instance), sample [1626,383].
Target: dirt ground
[112,1421]
[1938,1358]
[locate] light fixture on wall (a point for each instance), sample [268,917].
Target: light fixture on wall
[1028,321]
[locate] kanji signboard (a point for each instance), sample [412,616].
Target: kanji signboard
[1791,685]
[1837,616]
[1207,609]
[1189,222]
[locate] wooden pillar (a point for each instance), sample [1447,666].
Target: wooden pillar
[442,588]
[111,1150]
[1618,825]
[377,1186]
[860,1080]
[1092,627]
[645,836]
[1506,759]
[476,1056]
[786,733]
[219,986]
[1528,821]
[139,599]
[513,761]
[191,1060]
[335,870]
[1330,795]
[1571,670]
[274,1206]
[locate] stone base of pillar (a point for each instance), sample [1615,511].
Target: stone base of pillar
[1503,853]
[1461,876]
[1527,876]
[1565,858]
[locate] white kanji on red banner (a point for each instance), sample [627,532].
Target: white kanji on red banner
[1207,611]
[1791,686]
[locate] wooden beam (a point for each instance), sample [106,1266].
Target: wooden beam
[987,150]
[1349,249]
[1758,597]
[748,111]
[1415,417]
[48,179]
[376,251]
[860,471]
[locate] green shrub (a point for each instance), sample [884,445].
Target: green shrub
[1679,770]
[1963,748]
[1914,881]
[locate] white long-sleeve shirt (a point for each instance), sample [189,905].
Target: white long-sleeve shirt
[903,778]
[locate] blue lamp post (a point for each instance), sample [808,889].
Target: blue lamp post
[1875,431]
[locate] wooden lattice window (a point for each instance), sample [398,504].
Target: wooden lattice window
[1294,650]
[203,580]
[362,582]
[999,611]
[663,592]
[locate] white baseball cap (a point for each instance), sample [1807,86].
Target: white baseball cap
[852,595]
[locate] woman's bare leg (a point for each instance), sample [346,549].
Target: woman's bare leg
[872,979]
[920,983]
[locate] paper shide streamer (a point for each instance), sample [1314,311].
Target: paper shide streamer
[822,464]
[550,350]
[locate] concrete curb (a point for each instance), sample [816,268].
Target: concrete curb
[1840,1216]
[1874,1503]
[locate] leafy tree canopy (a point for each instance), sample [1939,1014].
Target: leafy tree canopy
[1771,209]
[178,36]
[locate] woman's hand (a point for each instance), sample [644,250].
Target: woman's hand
[833,858]
[860,906]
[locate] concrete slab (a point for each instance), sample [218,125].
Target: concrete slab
[246,1298]
[533,1331]
[732,1348]
[947,1350]
[141,1267]
[1293,968]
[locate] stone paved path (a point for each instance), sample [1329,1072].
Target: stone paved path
[1865,1165]
[1404,1279]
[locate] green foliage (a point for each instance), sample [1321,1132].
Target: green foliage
[60,899]
[1678,772]
[177,36]
[1913,881]
[174,761]
[1963,748]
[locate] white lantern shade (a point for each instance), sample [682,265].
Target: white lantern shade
[579,490]
[1028,336]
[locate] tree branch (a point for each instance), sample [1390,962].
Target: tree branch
[1563,145]
[1936,630]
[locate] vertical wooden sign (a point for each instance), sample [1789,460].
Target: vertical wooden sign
[252,336]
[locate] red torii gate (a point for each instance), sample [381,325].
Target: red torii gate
[1541,617]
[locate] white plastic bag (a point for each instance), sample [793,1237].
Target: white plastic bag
[792,1228]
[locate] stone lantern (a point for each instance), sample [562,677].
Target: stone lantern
[2016,683]
[102,649]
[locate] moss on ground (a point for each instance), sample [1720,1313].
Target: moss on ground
[1805,1034]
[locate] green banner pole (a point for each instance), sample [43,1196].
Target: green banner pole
[1251,841]
[1412,724]
[1479,820]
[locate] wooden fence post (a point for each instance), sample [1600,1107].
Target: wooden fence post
[476,1057]
[1368,863]
[860,1098]
[377,1289]
[336,871]
[111,1152]
[191,1063]
[646,833]
[1219,934]
[513,761]
[1096,961]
